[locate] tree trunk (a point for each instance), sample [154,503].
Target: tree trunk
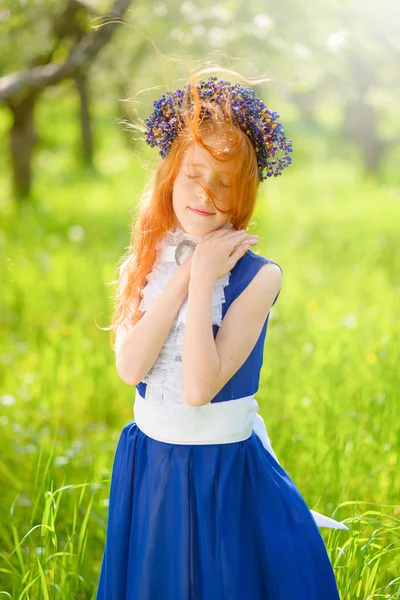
[361,119]
[19,89]
[81,82]
[361,125]
[23,139]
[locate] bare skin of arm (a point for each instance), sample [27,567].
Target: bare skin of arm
[137,351]
[207,363]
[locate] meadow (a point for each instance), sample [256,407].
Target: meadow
[329,390]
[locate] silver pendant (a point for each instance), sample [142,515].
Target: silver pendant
[184,249]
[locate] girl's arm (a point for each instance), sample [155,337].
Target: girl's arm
[208,364]
[139,348]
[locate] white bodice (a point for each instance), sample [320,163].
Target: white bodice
[164,379]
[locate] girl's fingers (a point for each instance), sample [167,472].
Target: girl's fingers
[240,248]
[234,237]
[243,235]
[230,234]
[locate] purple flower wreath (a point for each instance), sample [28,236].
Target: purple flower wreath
[248,111]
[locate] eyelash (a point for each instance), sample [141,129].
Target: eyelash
[197,176]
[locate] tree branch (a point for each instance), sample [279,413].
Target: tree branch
[84,52]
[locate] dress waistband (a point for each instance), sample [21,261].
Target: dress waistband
[212,423]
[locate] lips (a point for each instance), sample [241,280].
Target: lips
[200,212]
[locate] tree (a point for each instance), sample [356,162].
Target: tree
[21,90]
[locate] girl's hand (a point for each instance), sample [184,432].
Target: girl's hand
[218,251]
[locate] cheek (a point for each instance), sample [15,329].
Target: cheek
[179,193]
[187,184]
[184,185]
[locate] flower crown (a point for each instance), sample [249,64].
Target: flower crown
[248,111]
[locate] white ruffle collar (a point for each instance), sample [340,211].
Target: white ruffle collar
[163,268]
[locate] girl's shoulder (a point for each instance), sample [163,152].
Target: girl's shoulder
[253,262]
[247,268]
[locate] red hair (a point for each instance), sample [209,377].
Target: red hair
[156,214]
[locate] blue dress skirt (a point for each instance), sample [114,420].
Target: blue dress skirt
[210,521]
[214,521]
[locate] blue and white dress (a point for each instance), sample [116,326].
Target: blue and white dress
[200,508]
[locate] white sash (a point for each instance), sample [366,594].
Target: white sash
[212,423]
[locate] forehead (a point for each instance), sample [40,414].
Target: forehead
[199,157]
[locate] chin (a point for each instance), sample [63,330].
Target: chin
[196,231]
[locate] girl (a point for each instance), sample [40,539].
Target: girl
[200,508]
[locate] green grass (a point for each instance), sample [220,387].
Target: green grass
[329,389]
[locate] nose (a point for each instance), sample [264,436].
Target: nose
[204,200]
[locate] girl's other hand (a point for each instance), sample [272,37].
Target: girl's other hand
[218,251]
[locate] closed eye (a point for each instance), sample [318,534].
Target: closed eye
[224,184]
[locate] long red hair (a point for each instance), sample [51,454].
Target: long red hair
[156,214]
